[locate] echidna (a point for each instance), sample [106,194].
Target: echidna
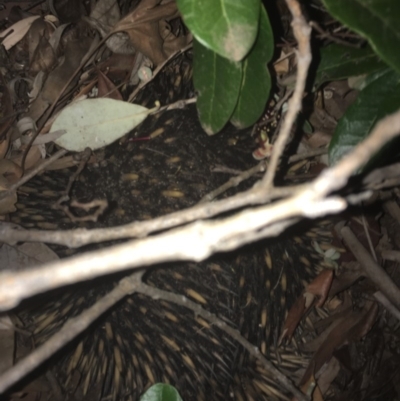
[143,341]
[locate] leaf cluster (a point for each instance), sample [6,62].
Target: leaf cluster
[234,42]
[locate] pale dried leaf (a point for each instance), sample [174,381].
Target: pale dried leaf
[17,31]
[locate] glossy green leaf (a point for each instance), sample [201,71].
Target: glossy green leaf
[95,123]
[377,20]
[380,97]
[217,81]
[256,80]
[228,27]
[161,392]
[340,62]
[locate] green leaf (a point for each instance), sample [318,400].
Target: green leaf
[377,20]
[217,81]
[95,123]
[340,62]
[256,80]
[380,97]
[307,127]
[161,392]
[228,27]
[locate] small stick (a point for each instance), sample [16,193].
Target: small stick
[33,172]
[157,71]
[371,269]
[302,33]
[332,38]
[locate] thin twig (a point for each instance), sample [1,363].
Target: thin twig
[329,36]
[336,177]
[371,269]
[33,172]
[387,304]
[384,177]
[253,350]
[157,71]
[180,104]
[301,31]
[393,209]
[68,332]
[307,155]
[391,255]
[366,231]
[208,237]
[79,237]
[260,167]
[128,286]
[234,182]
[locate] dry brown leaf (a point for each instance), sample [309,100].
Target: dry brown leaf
[282,65]
[118,66]
[106,12]
[106,87]
[294,316]
[9,174]
[7,205]
[329,373]
[146,27]
[25,255]
[38,251]
[352,327]
[16,32]
[318,291]
[319,139]
[311,389]
[350,273]
[40,31]
[43,57]
[327,325]
[320,286]
[4,146]
[74,53]
[12,171]
[33,157]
